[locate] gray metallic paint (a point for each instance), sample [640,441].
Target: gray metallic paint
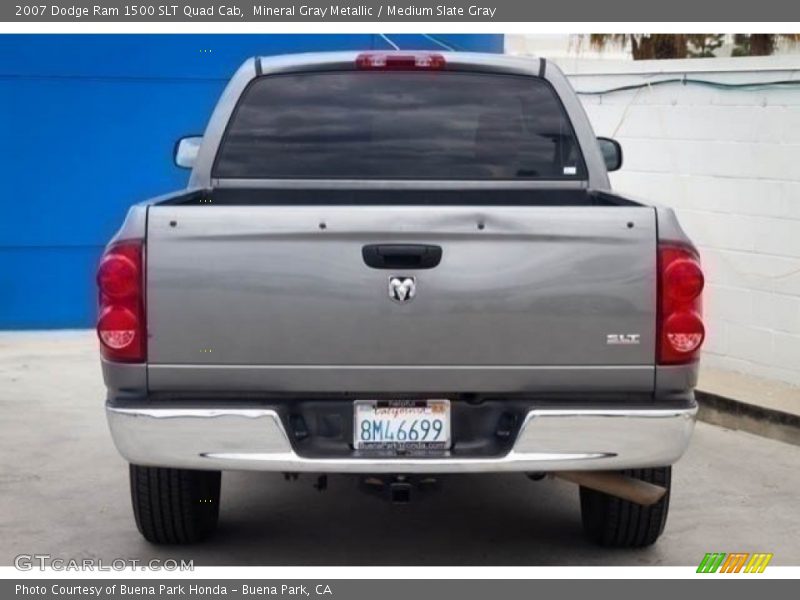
[431,378]
[264,286]
[199,295]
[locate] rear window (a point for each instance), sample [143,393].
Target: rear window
[399,125]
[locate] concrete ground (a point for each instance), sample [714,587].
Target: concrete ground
[64,492]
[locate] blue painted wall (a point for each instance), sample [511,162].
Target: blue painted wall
[88,123]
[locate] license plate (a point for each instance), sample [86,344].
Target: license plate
[402,425]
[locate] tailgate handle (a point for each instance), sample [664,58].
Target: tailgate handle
[401,256]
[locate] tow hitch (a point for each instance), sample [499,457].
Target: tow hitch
[398,489]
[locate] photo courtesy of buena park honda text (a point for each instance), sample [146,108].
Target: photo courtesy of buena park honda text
[380,300]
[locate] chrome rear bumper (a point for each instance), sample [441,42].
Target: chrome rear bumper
[255,439]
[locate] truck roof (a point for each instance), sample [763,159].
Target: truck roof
[460,61]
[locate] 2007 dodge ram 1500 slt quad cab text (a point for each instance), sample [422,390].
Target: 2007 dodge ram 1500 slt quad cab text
[398,265]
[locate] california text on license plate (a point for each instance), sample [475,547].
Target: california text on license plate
[402,425]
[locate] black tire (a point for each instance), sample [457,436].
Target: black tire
[616,523]
[175,506]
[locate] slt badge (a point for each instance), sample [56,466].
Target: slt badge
[402,289]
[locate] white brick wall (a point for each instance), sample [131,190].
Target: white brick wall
[728,161]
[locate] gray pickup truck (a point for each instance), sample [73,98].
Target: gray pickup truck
[399,266]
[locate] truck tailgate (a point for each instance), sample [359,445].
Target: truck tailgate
[279,298]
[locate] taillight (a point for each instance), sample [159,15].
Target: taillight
[121,323]
[386,61]
[680,325]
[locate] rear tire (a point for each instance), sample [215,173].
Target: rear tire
[616,523]
[175,506]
